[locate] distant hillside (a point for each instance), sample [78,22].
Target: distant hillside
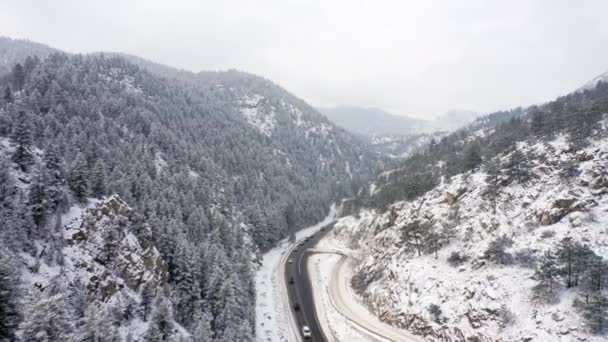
[455,119]
[378,122]
[13,51]
[374,121]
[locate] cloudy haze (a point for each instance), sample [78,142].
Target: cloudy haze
[417,58]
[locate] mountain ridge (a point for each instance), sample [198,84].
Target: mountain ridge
[209,169]
[496,203]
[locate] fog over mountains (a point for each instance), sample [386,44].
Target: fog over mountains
[138,201]
[378,122]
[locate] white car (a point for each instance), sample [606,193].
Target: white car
[306,331]
[290,261]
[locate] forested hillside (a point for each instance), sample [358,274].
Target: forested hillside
[13,51]
[497,232]
[148,193]
[575,114]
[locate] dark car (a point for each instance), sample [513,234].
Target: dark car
[291,280]
[296,306]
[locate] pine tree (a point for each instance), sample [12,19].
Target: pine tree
[547,275]
[30,63]
[492,179]
[37,198]
[78,178]
[415,233]
[496,250]
[18,75]
[98,327]
[14,214]
[161,325]
[537,123]
[433,241]
[597,274]
[230,310]
[595,312]
[148,293]
[47,320]
[98,179]
[54,179]
[187,286]
[8,95]
[448,231]
[583,256]
[203,331]
[22,137]
[290,217]
[566,255]
[472,157]
[9,312]
[518,166]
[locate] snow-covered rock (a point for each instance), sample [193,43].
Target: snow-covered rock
[103,254]
[480,299]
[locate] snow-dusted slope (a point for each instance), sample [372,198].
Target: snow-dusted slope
[102,257]
[480,298]
[263,120]
[591,84]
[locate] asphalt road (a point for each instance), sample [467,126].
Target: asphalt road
[300,290]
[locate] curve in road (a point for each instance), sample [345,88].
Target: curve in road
[299,288]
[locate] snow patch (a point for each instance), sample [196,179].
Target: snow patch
[256,114]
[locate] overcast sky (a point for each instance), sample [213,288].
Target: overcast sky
[417,58]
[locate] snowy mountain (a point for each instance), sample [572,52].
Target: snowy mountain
[495,233]
[593,83]
[394,136]
[116,174]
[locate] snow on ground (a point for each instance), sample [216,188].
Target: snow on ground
[480,298]
[321,130]
[333,323]
[296,113]
[83,228]
[341,311]
[273,313]
[257,116]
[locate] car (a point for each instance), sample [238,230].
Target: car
[291,280]
[296,306]
[306,332]
[290,261]
[295,250]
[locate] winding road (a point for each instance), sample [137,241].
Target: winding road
[299,288]
[301,300]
